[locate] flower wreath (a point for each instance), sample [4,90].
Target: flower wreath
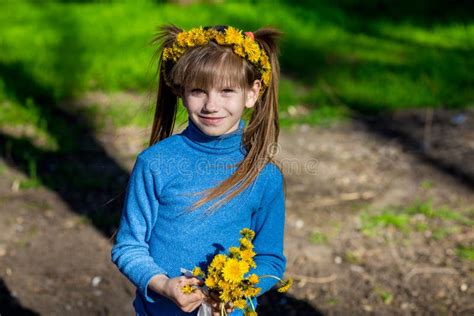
[244,45]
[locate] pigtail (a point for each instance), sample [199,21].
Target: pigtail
[166,100]
[264,120]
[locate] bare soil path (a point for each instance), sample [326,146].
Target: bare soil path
[347,249]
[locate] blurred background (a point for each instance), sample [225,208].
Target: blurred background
[377,144]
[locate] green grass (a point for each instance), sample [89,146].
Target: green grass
[427,185]
[466,252]
[33,181]
[371,223]
[385,295]
[426,208]
[318,238]
[441,221]
[336,56]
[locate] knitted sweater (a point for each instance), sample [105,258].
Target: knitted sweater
[157,235]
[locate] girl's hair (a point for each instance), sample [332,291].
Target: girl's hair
[214,65]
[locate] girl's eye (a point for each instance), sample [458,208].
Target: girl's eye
[197,91]
[228,90]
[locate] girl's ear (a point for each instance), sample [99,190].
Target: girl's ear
[252,94]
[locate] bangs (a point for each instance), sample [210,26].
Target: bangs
[208,66]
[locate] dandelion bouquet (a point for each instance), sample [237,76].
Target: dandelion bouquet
[228,277]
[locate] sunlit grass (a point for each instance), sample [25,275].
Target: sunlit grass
[420,216]
[332,63]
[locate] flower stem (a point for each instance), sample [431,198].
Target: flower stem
[251,304]
[271,276]
[223,311]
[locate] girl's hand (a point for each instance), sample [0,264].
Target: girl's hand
[215,303]
[172,289]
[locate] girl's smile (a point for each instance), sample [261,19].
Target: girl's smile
[211,120]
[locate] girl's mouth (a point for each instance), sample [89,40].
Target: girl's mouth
[211,120]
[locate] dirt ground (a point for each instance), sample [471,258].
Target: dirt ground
[55,258]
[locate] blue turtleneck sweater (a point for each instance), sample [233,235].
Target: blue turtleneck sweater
[157,235]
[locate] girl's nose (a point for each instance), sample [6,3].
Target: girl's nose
[211,103]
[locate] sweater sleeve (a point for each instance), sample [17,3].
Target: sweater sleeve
[131,250]
[268,223]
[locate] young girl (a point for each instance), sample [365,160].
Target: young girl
[191,193]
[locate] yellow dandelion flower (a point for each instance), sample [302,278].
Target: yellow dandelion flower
[192,37]
[181,38]
[225,286]
[247,43]
[177,52]
[251,49]
[212,272]
[253,278]
[250,313]
[187,289]
[251,263]
[233,36]
[255,291]
[239,50]
[234,270]
[211,33]
[234,252]
[210,282]
[245,243]
[197,272]
[240,303]
[200,37]
[266,76]
[218,262]
[236,292]
[225,296]
[247,233]
[254,55]
[167,52]
[265,62]
[285,285]
[220,38]
[247,254]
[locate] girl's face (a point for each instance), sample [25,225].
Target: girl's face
[217,111]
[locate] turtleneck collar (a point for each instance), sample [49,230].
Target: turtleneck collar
[225,143]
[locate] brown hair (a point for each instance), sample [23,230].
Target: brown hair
[214,65]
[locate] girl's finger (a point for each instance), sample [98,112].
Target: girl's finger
[193,281]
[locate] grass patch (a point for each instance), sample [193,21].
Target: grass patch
[426,208]
[27,120]
[421,216]
[385,295]
[33,181]
[318,238]
[352,258]
[465,252]
[332,301]
[372,223]
[427,184]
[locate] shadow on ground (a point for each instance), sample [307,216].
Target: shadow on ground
[273,303]
[439,138]
[9,305]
